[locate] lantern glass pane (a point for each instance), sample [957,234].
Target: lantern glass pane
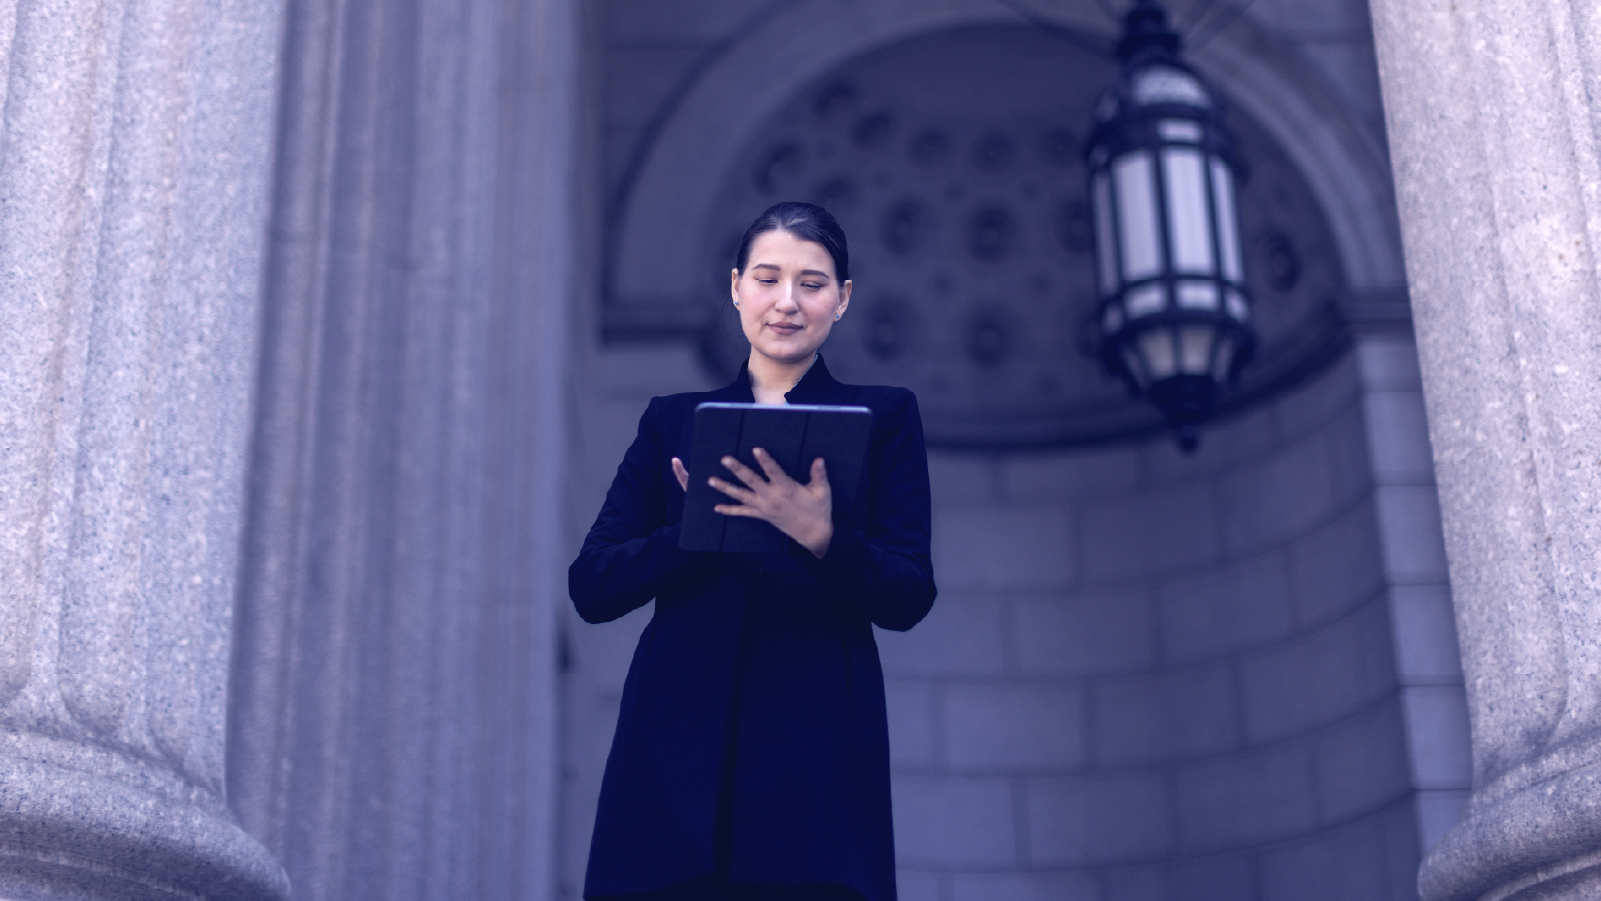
[1135,187]
[1161,84]
[1195,350]
[1156,346]
[1136,368]
[1188,220]
[1197,295]
[1105,239]
[1225,356]
[1228,228]
[1144,300]
[1236,306]
[1180,130]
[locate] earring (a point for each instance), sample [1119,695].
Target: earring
[736,303]
[836,317]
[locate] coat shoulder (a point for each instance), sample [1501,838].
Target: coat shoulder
[681,406]
[883,400]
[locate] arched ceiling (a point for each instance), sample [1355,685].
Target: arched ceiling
[949,149]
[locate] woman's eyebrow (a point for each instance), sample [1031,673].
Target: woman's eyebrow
[776,268]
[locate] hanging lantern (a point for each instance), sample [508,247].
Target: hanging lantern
[1174,316]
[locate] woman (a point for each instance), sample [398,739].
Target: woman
[751,758]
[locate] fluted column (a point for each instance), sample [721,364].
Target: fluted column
[1493,117]
[393,734]
[134,153]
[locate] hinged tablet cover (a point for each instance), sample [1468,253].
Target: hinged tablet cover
[795,435]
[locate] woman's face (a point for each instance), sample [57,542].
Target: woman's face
[787,297]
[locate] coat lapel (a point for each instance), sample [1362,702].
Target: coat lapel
[817,386]
[735,392]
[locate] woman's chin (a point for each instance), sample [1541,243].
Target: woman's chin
[786,352]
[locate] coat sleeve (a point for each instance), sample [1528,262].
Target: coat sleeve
[884,571]
[631,553]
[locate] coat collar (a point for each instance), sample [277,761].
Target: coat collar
[813,387]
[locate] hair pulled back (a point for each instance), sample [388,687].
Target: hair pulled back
[806,221]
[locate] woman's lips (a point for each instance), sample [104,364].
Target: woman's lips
[785,328]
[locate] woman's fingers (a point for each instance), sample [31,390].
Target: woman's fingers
[819,476]
[730,489]
[741,471]
[791,506]
[802,512]
[774,472]
[681,474]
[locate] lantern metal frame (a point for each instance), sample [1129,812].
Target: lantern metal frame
[1174,310]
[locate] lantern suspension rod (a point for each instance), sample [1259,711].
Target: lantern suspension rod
[1200,36]
[1092,45]
[1192,33]
[1110,10]
[1196,13]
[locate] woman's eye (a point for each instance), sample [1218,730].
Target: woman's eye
[768,281]
[814,286]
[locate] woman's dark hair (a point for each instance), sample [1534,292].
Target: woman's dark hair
[806,221]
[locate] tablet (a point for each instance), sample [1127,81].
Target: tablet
[795,435]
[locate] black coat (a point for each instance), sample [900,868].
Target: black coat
[760,669]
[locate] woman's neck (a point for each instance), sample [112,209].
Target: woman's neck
[770,379]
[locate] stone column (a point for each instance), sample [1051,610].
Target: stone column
[1493,117]
[393,735]
[134,153]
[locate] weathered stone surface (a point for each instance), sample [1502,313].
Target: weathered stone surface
[1493,129]
[134,155]
[1115,818]
[1016,727]
[958,821]
[393,730]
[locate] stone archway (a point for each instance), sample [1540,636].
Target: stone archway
[652,275]
[963,190]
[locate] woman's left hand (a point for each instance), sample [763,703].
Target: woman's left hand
[803,512]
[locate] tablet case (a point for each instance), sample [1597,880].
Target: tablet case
[795,435]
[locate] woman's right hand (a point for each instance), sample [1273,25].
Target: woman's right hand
[681,472]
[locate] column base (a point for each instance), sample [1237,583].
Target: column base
[1542,843]
[68,836]
[1548,885]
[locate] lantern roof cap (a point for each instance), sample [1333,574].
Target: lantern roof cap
[1153,73]
[1146,31]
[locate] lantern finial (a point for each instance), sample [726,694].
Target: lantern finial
[1145,28]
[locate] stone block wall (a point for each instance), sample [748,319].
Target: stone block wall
[1153,676]
[1427,657]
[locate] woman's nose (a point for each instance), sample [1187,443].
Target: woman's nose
[786,297]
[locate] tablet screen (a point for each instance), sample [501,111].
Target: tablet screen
[795,435]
